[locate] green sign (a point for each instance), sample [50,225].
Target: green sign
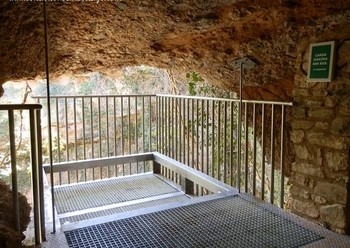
[321,62]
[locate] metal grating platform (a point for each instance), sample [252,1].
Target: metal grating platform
[122,209]
[226,222]
[106,192]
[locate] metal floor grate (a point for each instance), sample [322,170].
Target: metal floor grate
[226,222]
[106,192]
[122,209]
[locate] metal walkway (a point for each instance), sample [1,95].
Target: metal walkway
[148,210]
[84,201]
[227,222]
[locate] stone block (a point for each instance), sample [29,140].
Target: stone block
[306,207]
[303,180]
[302,83]
[302,124]
[308,169]
[313,103]
[301,92]
[319,199]
[299,112]
[331,192]
[321,113]
[337,161]
[297,136]
[331,101]
[308,153]
[345,107]
[327,140]
[300,192]
[334,215]
[322,125]
[341,125]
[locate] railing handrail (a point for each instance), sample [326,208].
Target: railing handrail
[20,106]
[226,99]
[89,96]
[174,96]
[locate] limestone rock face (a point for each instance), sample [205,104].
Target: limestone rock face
[181,35]
[9,237]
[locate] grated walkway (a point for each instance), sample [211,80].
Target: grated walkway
[227,222]
[71,198]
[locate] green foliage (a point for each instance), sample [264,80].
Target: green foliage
[197,86]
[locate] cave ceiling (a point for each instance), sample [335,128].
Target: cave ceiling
[181,35]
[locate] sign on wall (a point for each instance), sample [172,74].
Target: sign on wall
[321,62]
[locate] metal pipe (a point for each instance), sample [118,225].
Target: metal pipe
[15,203]
[207,138]
[122,128]
[84,136]
[49,113]
[282,156]
[115,130]
[239,153]
[225,144]
[129,130]
[35,179]
[75,135]
[136,135]
[41,175]
[219,141]
[254,150]
[272,154]
[183,130]
[263,152]
[107,135]
[92,137]
[212,138]
[227,99]
[58,134]
[231,142]
[246,140]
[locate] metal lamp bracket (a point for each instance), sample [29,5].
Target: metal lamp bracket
[246,62]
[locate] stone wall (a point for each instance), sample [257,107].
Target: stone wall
[321,137]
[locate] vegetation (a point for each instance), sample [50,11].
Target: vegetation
[100,127]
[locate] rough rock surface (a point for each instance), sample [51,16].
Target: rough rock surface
[9,237]
[182,35]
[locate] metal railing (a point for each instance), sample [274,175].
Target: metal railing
[204,133]
[36,165]
[88,127]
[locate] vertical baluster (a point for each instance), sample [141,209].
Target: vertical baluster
[136,135]
[192,133]
[75,136]
[92,136]
[231,141]
[263,151]
[84,133]
[15,203]
[254,149]
[129,129]
[218,174]
[207,137]
[282,156]
[58,138]
[225,144]
[184,130]
[246,140]
[212,138]
[122,133]
[272,153]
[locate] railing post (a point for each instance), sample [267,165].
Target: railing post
[15,203]
[35,176]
